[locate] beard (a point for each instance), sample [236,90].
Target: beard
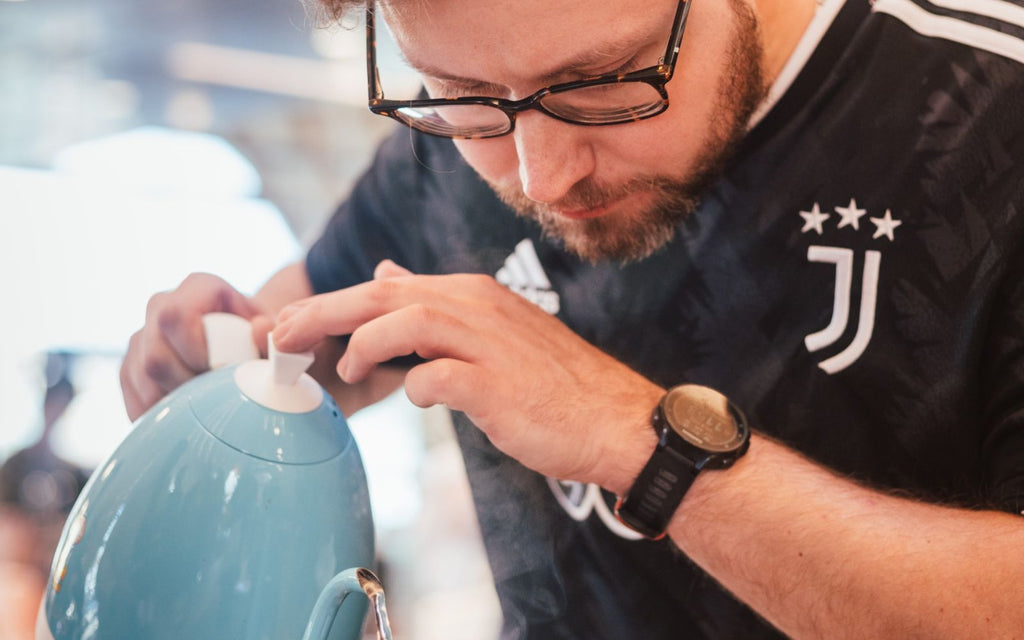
[633,236]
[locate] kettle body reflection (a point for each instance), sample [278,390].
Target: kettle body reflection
[228,512]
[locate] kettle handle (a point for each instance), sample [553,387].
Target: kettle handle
[335,592]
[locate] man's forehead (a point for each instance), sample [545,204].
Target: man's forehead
[458,39]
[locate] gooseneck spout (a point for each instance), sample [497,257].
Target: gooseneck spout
[334,594]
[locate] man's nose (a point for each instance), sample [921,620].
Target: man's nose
[553,156]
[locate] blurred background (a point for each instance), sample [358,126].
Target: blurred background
[142,140]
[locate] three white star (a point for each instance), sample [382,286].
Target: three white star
[851,215]
[885,225]
[813,219]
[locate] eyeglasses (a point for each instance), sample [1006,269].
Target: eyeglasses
[613,98]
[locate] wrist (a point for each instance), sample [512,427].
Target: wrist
[696,429]
[632,446]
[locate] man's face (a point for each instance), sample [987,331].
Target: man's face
[616,191]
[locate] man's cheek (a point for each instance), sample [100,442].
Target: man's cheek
[494,159]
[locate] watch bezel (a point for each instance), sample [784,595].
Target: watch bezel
[711,457]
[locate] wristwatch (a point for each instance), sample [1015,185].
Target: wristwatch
[698,428]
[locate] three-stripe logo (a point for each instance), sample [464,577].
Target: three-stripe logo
[524,274]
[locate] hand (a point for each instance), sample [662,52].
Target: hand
[541,393]
[171,347]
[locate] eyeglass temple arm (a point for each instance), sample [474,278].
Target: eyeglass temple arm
[374,89]
[678,27]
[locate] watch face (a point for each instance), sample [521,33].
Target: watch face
[701,416]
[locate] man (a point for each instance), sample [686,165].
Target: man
[37,491]
[838,255]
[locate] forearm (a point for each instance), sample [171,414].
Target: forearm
[821,557]
[284,287]
[815,554]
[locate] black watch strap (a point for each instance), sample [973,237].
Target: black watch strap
[655,494]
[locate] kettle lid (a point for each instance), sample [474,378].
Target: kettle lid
[226,405]
[269,409]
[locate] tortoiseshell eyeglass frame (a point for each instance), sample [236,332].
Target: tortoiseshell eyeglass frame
[656,76]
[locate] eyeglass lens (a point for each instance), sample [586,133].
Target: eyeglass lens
[600,104]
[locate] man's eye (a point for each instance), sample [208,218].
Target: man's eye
[631,65]
[459,92]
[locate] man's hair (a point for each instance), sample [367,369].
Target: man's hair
[334,11]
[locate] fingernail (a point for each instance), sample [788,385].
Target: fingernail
[280,333]
[294,307]
[285,313]
[343,367]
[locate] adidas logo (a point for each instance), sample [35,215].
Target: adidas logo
[523,274]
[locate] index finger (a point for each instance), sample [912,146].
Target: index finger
[304,324]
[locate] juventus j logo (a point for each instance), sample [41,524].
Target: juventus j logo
[843,260]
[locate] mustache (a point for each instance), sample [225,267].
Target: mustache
[586,194]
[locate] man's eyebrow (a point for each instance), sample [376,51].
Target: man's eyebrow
[447,78]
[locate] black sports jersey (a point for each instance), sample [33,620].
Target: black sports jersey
[854,281]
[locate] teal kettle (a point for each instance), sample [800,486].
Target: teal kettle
[237,507]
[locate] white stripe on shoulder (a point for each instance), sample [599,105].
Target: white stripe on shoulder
[823,19]
[997,9]
[929,24]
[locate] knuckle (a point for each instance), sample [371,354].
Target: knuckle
[309,308]
[480,281]
[211,292]
[314,314]
[167,318]
[197,279]
[425,314]
[384,290]
[156,303]
[155,367]
[162,314]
